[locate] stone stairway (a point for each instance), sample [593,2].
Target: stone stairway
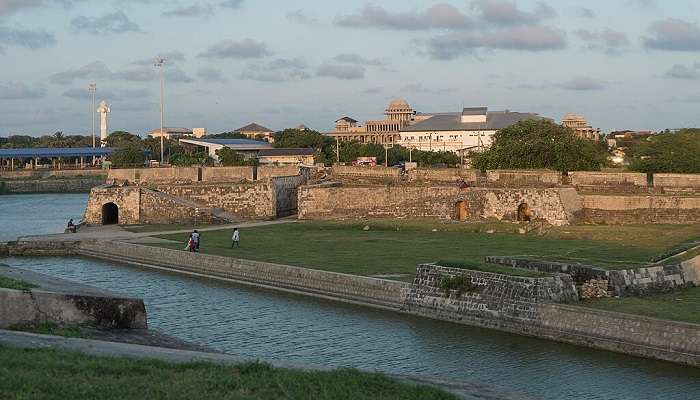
[217,214]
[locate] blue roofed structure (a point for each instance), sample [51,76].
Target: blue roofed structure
[56,152]
[248,147]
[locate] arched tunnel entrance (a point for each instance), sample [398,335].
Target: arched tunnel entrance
[461,212]
[110,214]
[524,213]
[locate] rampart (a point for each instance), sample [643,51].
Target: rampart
[677,181]
[634,209]
[51,185]
[608,179]
[248,200]
[515,178]
[227,174]
[366,172]
[447,175]
[52,173]
[556,206]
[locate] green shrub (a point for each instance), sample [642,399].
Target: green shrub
[461,284]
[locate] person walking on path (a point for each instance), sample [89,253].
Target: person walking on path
[196,238]
[191,245]
[236,238]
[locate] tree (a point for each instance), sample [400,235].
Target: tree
[122,138]
[128,156]
[669,152]
[229,157]
[188,160]
[540,144]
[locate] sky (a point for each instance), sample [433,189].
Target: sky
[624,64]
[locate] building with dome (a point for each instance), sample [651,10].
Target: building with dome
[580,126]
[398,115]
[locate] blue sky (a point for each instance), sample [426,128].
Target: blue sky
[627,64]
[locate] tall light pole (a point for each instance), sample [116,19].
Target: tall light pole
[159,64]
[337,151]
[93,88]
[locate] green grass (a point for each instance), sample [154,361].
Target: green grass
[52,374]
[398,246]
[495,269]
[15,284]
[50,328]
[681,306]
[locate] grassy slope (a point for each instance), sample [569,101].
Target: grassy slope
[397,246]
[43,374]
[16,284]
[678,306]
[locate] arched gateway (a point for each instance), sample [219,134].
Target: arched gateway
[110,214]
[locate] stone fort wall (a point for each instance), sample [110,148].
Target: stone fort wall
[247,200]
[612,209]
[557,206]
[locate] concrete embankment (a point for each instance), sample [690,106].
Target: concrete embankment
[51,185]
[511,310]
[61,302]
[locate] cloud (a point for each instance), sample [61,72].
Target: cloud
[92,71]
[97,70]
[11,6]
[211,74]
[31,39]
[584,12]
[352,58]
[246,48]
[372,90]
[524,38]
[437,16]
[674,35]
[506,13]
[345,72]
[177,75]
[418,88]
[583,83]
[608,40]
[278,70]
[679,71]
[231,3]
[691,98]
[195,10]
[116,22]
[20,91]
[170,57]
[135,75]
[300,17]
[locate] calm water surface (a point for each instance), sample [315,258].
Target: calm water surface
[270,325]
[38,214]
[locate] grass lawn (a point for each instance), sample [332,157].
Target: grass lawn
[44,374]
[677,306]
[50,328]
[163,227]
[398,246]
[16,284]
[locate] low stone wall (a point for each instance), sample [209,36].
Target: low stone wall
[53,185]
[42,248]
[249,200]
[556,206]
[677,181]
[608,179]
[155,175]
[621,282]
[351,288]
[59,173]
[447,175]
[272,171]
[227,174]
[485,296]
[535,178]
[366,172]
[611,209]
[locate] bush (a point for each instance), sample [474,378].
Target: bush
[128,156]
[229,158]
[669,152]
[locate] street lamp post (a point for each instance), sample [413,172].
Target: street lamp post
[159,64]
[93,88]
[337,151]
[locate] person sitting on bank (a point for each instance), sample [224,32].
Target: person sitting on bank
[236,238]
[196,238]
[71,226]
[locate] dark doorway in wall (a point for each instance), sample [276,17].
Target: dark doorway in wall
[461,212]
[110,214]
[524,213]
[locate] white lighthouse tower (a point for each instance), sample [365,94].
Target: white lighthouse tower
[103,110]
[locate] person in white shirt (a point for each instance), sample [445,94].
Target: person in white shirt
[235,239]
[195,237]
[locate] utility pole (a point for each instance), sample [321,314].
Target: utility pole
[337,151]
[386,155]
[93,88]
[159,64]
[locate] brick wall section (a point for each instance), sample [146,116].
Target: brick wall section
[640,209]
[533,178]
[54,185]
[376,292]
[286,193]
[248,200]
[552,205]
[61,173]
[227,174]
[621,282]
[272,171]
[366,172]
[676,181]
[608,179]
[447,175]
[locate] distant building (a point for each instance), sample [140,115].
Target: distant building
[254,130]
[249,148]
[398,115]
[581,127]
[470,130]
[286,156]
[177,132]
[302,128]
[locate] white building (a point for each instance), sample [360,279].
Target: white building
[470,130]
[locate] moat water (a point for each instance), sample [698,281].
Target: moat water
[297,329]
